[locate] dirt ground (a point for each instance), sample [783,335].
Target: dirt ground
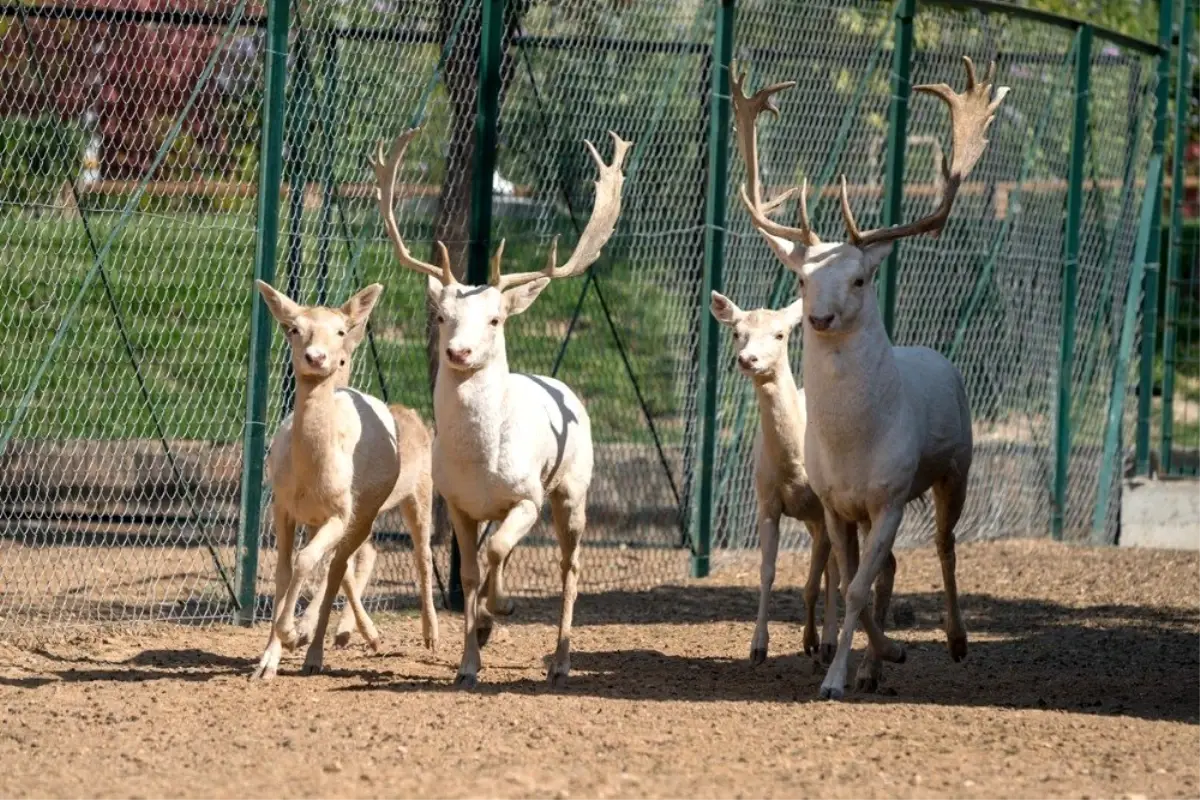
[1083,680]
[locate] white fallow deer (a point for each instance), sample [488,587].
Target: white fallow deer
[505,441]
[886,423]
[334,462]
[781,484]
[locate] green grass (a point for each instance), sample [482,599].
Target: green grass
[183,284]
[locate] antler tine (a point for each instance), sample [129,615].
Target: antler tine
[494,274]
[385,179]
[971,113]
[605,211]
[746,110]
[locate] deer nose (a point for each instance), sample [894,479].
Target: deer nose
[820,323]
[458,355]
[315,358]
[747,361]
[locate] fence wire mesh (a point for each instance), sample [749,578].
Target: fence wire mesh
[130,161]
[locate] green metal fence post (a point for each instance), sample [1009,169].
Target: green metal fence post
[1166,21]
[714,257]
[487,120]
[893,208]
[329,102]
[258,370]
[1183,81]
[1116,400]
[1070,275]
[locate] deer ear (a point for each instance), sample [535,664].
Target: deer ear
[358,308]
[521,297]
[282,307]
[874,255]
[725,310]
[433,289]
[791,254]
[794,313]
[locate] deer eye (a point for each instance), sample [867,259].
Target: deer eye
[779,336]
[441,318]
[293,331]
[341,333]
[801,282]
[858,282]
[494,321]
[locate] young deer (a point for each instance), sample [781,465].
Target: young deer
[505,441]
[888,423]
[781,484]
[333,463]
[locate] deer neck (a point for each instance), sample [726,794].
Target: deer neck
[782,415]
[471,408]
[313,420]
[853,387]
[341,378]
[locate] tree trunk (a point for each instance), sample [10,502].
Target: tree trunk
[452,222]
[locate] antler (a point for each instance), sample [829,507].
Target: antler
[746,110]
[385,178]
[600,227]
[970,115]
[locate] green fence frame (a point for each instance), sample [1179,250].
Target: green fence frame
[1175,250]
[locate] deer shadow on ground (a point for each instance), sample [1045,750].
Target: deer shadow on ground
[1125,660]
[189,664]
[1117,659]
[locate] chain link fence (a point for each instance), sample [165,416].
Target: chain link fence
[131,162]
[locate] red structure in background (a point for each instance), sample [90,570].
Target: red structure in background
[126,68]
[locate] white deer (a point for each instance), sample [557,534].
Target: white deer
[334,462]
[504,441]
[888,423]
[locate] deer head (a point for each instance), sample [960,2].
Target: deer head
[471,318]
[835,278]
[322,339]
[760,336]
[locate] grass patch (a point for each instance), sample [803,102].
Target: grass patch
[183,287]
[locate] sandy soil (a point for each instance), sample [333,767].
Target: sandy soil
[1083,680]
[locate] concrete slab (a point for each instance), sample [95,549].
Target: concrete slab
[1161,513]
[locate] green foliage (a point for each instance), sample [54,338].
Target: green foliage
[1130,17]
[37,156]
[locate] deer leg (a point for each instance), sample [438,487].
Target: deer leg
[570,519]
[359,567]
[870,670]
[768,541]
[818,556]
[314,659]
[857,593]
[417,511]
[285,537]
[516,524]
[327,535]
[829,627]
[948,502]
[466,531]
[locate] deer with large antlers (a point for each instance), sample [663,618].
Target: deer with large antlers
[886,423]
[505,442]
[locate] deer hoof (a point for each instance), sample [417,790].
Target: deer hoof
[958,647]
